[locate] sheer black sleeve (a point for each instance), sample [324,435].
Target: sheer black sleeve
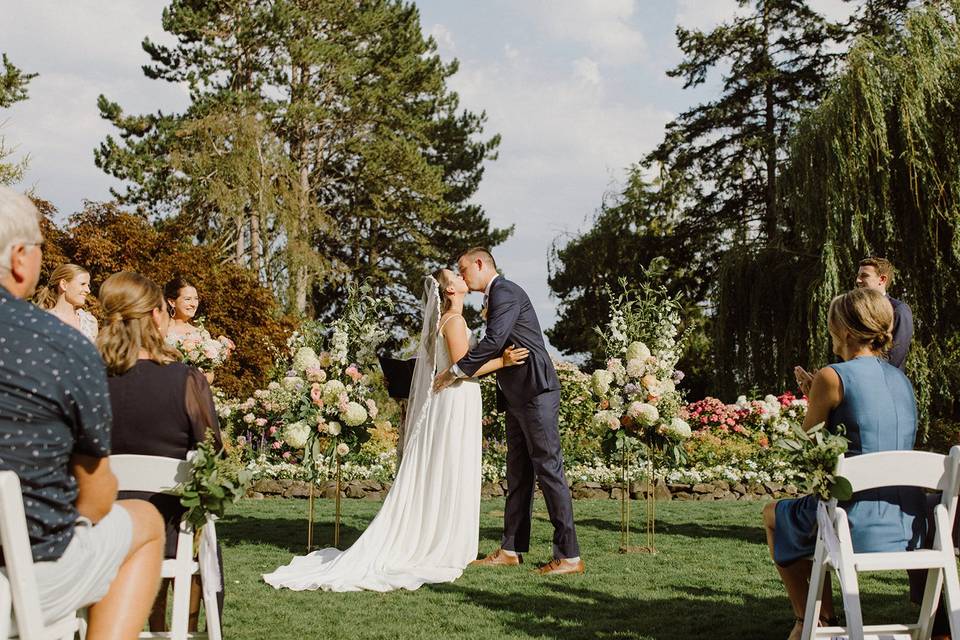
[201,411]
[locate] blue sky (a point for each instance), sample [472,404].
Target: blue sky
[577,89]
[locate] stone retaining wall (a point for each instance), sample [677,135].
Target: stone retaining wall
[373,490]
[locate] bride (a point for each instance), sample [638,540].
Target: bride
[428,528]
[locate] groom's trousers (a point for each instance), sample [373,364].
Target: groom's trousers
[533,453]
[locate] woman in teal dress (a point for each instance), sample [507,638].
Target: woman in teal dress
[875,403]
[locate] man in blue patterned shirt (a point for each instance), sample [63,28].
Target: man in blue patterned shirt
[55,419]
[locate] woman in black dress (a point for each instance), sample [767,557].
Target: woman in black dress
[161,407]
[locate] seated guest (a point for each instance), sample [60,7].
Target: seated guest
[88,548]
[874,402]
[64,296]
[161,407]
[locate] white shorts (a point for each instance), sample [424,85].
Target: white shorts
[82,575]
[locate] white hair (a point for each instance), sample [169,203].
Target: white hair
[19,224]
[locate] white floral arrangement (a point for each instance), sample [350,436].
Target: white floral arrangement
[636,392]
[332,382]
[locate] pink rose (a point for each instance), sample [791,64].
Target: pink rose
[272,431]
[261,422]
[278,444]
[354,373]
[316,394]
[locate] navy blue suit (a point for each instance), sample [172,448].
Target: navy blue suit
[902,333]
[531,392]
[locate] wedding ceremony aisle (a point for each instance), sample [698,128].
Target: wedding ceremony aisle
[712,578]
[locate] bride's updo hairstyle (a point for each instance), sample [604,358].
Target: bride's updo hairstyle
[866,316]
[440,276]
[128,301]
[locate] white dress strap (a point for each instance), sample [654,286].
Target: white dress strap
[444,323]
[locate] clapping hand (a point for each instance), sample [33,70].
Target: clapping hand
[513,356]
[804,378]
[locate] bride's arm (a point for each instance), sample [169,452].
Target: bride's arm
[511,356]
[455,334]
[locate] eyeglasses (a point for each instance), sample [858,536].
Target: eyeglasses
[34,244]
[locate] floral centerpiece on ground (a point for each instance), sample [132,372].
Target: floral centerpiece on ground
[637,402]
[333,374]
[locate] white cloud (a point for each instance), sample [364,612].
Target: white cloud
[587,71]
[603,26]
[565,144]
[706,14]
[444,38]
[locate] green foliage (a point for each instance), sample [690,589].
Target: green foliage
[321,147]
[13,89]
[815,453]
[217,480]
[873,171]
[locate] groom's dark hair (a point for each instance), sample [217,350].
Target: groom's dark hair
[483,252]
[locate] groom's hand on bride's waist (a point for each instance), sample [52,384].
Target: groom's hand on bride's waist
[443,380]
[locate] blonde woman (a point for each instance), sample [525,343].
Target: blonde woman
[65,296]
[874,402]
[161,406]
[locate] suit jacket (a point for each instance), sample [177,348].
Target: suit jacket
[511,319]
[902,333]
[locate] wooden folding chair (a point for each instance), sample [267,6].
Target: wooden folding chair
[19,597]
[834,550]
[156,474]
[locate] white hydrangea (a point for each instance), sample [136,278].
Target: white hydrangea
[600,381]
[677,428]
[332,390]
[637,351]
[296,434]
[306,358]
[636,368]
[644,413]
[606,421]
[293,383]
[355,414]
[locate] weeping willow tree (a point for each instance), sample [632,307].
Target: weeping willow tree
[873,170]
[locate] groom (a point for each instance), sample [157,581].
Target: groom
[532,395]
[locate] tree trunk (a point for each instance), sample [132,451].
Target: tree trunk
[771,221]
[256,246]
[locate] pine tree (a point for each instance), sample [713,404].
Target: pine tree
[371,163]
[13,89]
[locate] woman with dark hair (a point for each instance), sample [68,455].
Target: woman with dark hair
[192,340]
[161,406]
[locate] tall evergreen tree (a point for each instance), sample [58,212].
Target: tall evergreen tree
[372,162]
[13,89]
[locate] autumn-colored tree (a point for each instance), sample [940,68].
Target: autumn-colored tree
[105,239]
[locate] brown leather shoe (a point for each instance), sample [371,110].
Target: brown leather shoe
[498,559]
[560,567]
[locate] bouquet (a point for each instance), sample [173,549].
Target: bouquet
[201,350]
[815,453]
[214,483]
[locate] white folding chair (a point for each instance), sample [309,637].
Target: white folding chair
[834,550]
[18,589]
[156,474]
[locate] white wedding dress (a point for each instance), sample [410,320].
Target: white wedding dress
[428,528]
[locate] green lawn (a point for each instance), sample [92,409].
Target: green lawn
[712,579]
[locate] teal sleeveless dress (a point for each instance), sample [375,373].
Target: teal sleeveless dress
[879,413]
